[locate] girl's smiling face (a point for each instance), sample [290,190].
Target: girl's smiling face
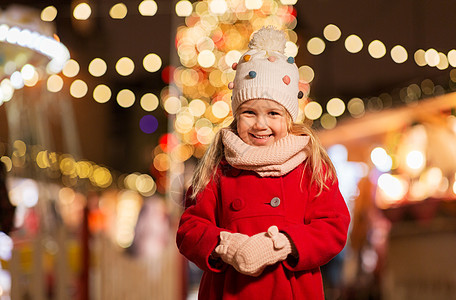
[261,122]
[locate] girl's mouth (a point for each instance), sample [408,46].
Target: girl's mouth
[263,137]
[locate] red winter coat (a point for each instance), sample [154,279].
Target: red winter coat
[242,201]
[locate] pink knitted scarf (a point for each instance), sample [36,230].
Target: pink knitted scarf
[275,160]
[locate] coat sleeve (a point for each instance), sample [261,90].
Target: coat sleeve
[198,233]
[324,231]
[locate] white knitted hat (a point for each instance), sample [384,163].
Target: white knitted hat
[264,72]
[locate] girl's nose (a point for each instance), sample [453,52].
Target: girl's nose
[260,123]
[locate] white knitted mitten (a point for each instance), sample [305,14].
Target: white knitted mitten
[261,250]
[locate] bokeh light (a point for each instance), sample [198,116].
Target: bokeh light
[78,88]
[184,8]
[313,110]
[148,124]
[97,67]
[152,62]
[118,11]
[49,13]
[353,43]
[125,66]
[149,102]
[102,93]
[331,32]
[335,107]
[148,8]
[82,11]
[315,46]
[399,54]
[377,49]
[54,83]
[71,68]
[126,98]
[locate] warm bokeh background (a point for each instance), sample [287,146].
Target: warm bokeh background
[106,106]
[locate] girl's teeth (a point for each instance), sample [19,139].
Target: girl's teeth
[261,136]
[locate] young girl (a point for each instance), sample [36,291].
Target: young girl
[264,211]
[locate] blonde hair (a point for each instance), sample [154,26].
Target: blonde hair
[323,170]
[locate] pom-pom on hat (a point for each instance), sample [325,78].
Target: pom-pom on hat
[264,72]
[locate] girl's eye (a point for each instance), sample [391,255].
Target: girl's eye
[274,113]
[249,112]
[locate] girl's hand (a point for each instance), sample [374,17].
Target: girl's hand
[261,250]
[229,244]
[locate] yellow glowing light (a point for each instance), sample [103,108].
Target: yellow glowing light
[353,43]
[377,49]
[130,181]
[101,177]
[393,188]
[415,160]
[172,105]
[184,123]
[161,162]
[356,107]
[184,8]
[82,11]
[102,93]
[316,46]
[152,62]
[48,14]
[148,8]
[328,122]
[205,135]
[399,54]
[145,185]
[33,80]
[84,169]
[443,62]
[306,74]
[218,7]
[125,66]
[197,107]
[206,59]
[419,57]
[232,56]
[97,67]
[71,68]
[7,162]
[382,161]
[291,49]
[253,4]
[335,107]
[67,165]
[452,58]
[432,57]
[118,11]
[332,32]
[313,110]
[78,88]
[181,153]
[220,109]
[125,98]
[42,160]
[288,2]
[149,102]
[54,83]
[20,148]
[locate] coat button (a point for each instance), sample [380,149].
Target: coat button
[275,202]
[237,204]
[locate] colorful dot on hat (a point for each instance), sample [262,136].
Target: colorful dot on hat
[252,74]
[234,66]
[300,94]
[231,85]
[247,57]
[290,60]
[272,58]
[286,79]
